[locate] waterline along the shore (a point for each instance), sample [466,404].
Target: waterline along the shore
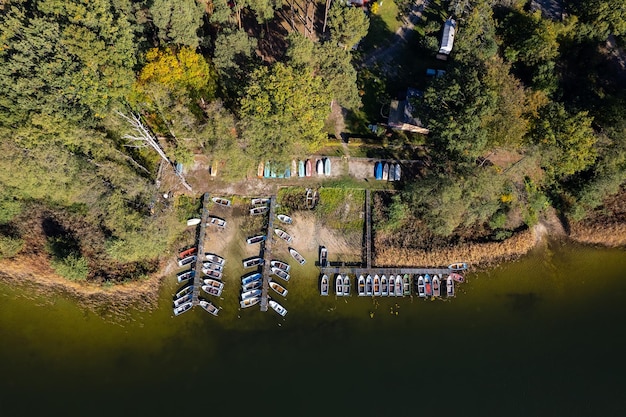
[541,336]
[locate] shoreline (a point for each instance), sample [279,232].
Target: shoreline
[114,301]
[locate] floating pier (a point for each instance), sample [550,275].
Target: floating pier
[197,279]
[329,270]
[267,254]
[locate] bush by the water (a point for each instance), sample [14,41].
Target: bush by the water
[73,267]
[10,246]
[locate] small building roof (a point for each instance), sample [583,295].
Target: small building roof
[447,40]
[401,114]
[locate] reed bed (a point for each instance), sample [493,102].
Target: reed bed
[609,234]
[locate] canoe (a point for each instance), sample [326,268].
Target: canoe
[398,286]
[183,308]
[301,170]
[385,172]
[398,172]
[211,257]
[421,288]
[323,256]
[376,283]
[368,285]
[457,277]
[260,170]
[250,278]
[252,262]
[193,222]
[187,252]
[258,210]
[449,286]
[346,286]
[185,275]
[428,285]
[249,302]
[209,307]
[324,285]
[211,290]
[294,167]
[407,284]
[308,168]
[319,167]
[339,285]
[280,273]
[212,274]
[283,235]
[280,265]
[211,266]
[184,291]
[326,166]
[392,286]
[266,170]
[436,286]
[182,300]
[250,294]
[458,266]
[255,239]
[383,286]
[285,219]
[378,170]
[259,201]
[294,253]
[221,201]
[278,308]
[186,261]
[278,288]
[361,289]
[252,285]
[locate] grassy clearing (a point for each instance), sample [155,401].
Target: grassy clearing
[341,208]
[383,25]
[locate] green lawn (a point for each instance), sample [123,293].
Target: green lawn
[383,25]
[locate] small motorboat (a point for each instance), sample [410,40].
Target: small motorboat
[458,266]
[182,300]
[212,290]
[252,285]
[209,307]
[221,201]
[251,294]
[211,257]
[398,286]
[193,222]
[346,286]
[280,265]
[260,170]
[266,170]
[255,239]
[449,286]
[421,288]
[185,275]
[252,262]
[255,211]
[368,285]
[324,285]
[285,219]
[280,273]
[385,172]
[278,308]
[212,274]
[301,170]
[323,256]
[183,308]
[246,279]
[278,288]
[361,286]
[184,291]
[319,167]
[186,261]
[428,285]
[211,266]
[407,284]
[378,170]
[294,253]
[392,286]
[249,302]
[339,285]
[187,252]
[326,166]
[383,286]
[377,290]
[283,235]
[308,168]
[216,221]
[260,201]
[436,286]
[457,277]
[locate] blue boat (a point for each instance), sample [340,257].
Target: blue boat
[301,168]
[246,279]
[428,286]
[266,170]
[378,170]
[326,166]
[288,173]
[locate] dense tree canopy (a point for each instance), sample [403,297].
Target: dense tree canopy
[348,25]
[178,21]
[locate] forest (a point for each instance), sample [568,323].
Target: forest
[98,96]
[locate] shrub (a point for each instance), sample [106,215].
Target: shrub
[10,246]
[73,267]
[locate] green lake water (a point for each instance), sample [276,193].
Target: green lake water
[541,336]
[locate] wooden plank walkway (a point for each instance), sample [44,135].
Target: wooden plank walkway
[368,230]
[267,254]
[329,270]
[197,279]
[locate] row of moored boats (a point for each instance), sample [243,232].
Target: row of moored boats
[392,285]
[386,171]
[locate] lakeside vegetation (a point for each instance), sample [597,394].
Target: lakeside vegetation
[527,118]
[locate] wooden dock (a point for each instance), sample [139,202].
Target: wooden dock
[267,254]
[330,270]
[197,279]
